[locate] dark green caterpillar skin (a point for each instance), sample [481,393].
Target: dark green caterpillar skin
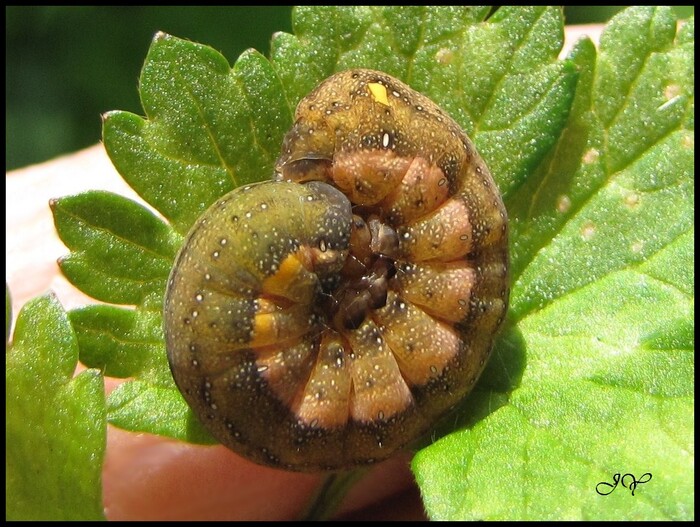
[327,319]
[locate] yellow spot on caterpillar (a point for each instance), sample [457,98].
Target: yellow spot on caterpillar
[292,278]
[265,330]
[289,269]
[378,92]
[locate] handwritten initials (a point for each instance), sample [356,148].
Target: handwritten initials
[628,481]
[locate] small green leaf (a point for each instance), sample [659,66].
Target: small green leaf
[121,252]
[145,407]
[122,342]
[55,423]
[627,211]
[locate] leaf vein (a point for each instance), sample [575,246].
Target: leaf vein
[207,128]
[148,250]
[507,71]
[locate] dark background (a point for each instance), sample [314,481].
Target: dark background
[65,66]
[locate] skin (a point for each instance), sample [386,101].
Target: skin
[148,477]
[187,482]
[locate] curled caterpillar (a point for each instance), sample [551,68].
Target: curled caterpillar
[328,318]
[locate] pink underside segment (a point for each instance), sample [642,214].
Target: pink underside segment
[443,235]
[422,189]
[421,345]
[441,289]
[326,398]
[379,389]
[366,177]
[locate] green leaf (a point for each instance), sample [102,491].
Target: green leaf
[597,362]
[122,342]
[121,252]
[129,343]
[145,407]
[55,423]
